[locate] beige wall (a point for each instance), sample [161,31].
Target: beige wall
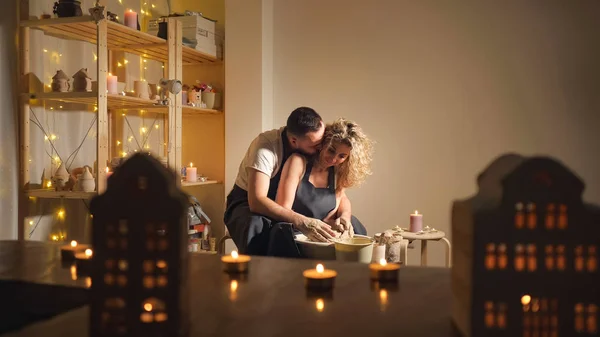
[443,87]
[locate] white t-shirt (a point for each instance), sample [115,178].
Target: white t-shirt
[265,154]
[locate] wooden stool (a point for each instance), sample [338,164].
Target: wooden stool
[430,236]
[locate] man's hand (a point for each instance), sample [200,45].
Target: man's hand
[315,230]
[344,224]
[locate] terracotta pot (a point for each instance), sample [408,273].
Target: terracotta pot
[67,8]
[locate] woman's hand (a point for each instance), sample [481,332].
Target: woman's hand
[315,230]
[344,223]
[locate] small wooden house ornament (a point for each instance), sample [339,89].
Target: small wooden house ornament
[60,82]
[139,274]
[525,252]
[82,81]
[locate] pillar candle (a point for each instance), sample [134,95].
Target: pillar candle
[378,253]
[416,222]
[141,89]
[111,84]
[131,19]
[191,174]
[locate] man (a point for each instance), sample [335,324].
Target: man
[252,216]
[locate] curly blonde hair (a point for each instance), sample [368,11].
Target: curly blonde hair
[355,169]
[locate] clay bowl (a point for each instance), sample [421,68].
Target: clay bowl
[357,249]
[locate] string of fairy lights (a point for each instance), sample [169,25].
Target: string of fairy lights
[132,141]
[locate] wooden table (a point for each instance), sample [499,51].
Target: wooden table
[273,301]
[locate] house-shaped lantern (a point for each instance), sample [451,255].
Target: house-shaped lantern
[139,274]
[60,82]
[526,253]
[82,81]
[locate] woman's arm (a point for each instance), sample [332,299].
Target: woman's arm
[291,174]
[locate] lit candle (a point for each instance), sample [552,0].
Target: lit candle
[384,272]
[235,263]
[111,84]
[131,19]
[83,260]
[319,278]
[416,222]
[108,173]
[191,173]
[67,252]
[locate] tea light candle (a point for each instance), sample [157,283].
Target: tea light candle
[131,19]
[111,84]
[83,260]
[191,173]
[416,222]
[108,173]
[67,252]
[235,263]
[384,271]
[319,278]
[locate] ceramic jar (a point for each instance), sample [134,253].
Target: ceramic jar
[67,8]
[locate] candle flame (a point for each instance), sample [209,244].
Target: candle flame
[416,212]
[320,304]
[88,252]
[130,11]
[234,254]
[107,170]
[320,268]
[191,164]
[147,306]
[109,74]
[73,243]
[526,299]
[234,285]
[382,262]
[383,295]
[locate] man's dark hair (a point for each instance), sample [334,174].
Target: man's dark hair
[302,121]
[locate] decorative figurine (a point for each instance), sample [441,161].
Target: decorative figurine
[538,279]
[67,8]
[87,182]
[82,81]
[60,82]
[139,268]
[61,177]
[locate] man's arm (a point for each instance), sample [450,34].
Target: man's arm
[258,187]
[344,213]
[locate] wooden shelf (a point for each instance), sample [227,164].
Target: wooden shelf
[193,111]
[199,183]
[120,37]
[90,98]
[51,194]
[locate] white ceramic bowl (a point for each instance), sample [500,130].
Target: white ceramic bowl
[360,250]
[315,250]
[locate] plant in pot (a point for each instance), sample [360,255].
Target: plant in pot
[67,8]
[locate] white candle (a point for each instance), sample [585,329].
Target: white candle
[111,84]
[191,175]
[131,19]
[416,222]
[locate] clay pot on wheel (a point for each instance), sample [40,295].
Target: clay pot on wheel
[67,8]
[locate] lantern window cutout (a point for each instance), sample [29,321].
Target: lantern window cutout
[123,265]
[519,261]
[550,258]
[490,315]
[109,264]
[111,243]
[531,257]
[502,256]
[563,218]
[122,280]
[531,215]
[591,321]
[579,318]
[579,258]
[123,227]
[114,303]
[561,260]
[540,316]
[550,216]
[123,244]
[109,279]
[592,261]
[153,311]
[519,216]
[490,256]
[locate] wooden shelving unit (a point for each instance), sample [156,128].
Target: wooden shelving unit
[107,36]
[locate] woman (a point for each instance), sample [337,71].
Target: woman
[315,187]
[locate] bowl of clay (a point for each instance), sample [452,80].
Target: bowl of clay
[359,248]
[314,250]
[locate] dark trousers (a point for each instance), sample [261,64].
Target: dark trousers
[255,234]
